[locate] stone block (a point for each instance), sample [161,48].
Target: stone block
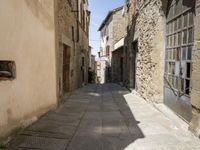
[196,60]
[196,81]
[33,142]
[197,45]
[195,123]
[85,142]
[195,98]
[197,28]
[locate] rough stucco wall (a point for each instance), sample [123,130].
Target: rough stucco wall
[27,37]
[151,39]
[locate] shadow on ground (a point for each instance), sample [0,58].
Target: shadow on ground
[96,117]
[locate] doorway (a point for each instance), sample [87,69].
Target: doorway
[121,69]
[134,63]
[66,68]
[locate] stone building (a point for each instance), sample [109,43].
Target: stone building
[72,22]
[92,63]
[43,55]
[111,30]
[118,51]
[102,70]
[161,52]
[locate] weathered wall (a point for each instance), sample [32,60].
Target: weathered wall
[129,70]
[150,27]
[66,19]
[195,93]
[101,71]
[107,38]
[93,63]
[28,38]
[117,57]
[119,32]
[82,51]
[119,26]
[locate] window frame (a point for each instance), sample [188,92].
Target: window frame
[174,32]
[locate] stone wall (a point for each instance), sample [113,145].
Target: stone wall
[70,33]
[195,93]
[150,27]
[119,26]
[65,20]
[119,32]
[147,26]
[129,70]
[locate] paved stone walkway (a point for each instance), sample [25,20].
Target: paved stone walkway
[104,117]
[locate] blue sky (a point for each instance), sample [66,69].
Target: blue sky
[99,9]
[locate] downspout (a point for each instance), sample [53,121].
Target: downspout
[77,21]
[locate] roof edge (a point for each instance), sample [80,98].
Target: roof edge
[108,16]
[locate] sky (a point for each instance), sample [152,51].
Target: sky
[99,10]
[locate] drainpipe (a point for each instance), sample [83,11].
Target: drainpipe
[77,21]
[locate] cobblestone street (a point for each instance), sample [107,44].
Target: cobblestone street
[104,117]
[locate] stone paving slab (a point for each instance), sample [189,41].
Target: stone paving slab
[83,142]
[34,142]
[104,117]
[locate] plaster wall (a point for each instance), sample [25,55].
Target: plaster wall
[28,38]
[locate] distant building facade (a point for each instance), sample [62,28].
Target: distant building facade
[92,63]
[102,70]
[43,55]
[112,30]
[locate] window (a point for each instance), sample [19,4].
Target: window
[179,44]
[108,51]
[7,70]
[73,33]
[83,61]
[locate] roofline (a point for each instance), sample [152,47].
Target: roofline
[108,16]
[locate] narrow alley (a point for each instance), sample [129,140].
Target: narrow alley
[100,74]
[104,117]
